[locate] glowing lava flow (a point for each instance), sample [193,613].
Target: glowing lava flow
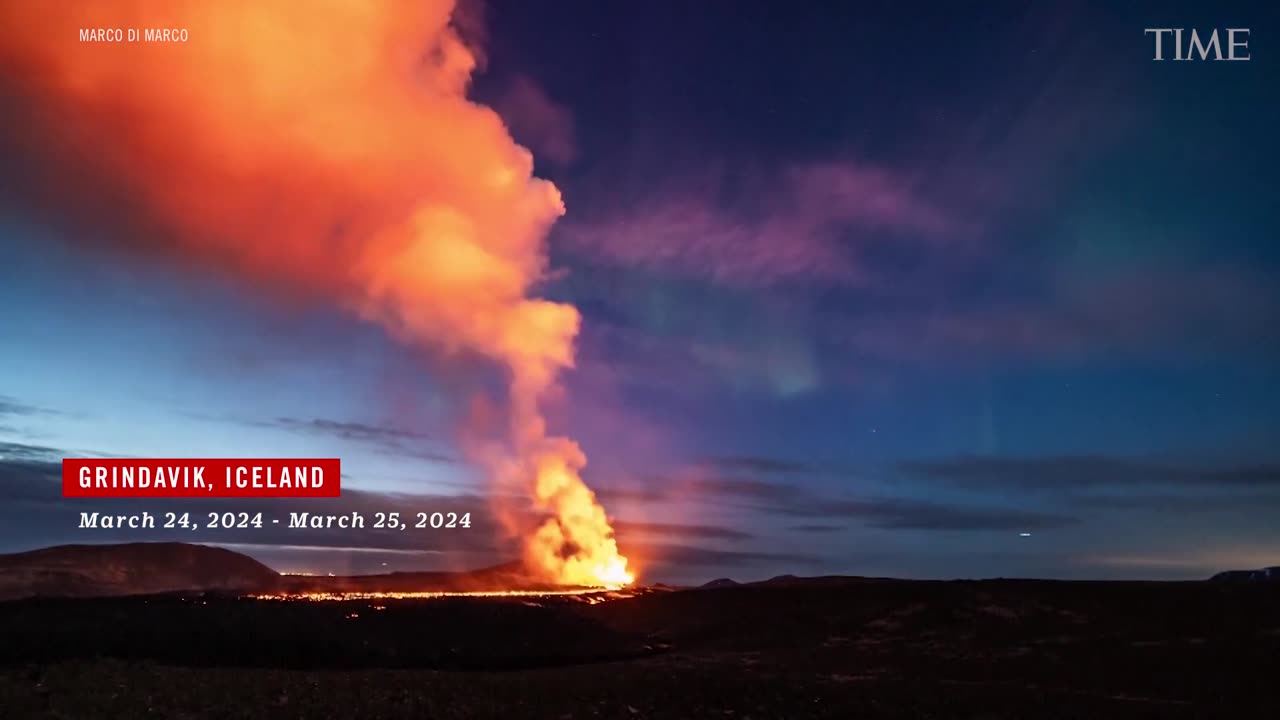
[589,595]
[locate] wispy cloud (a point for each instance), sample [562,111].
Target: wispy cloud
[22,452]
[537,121]
[1094,484]
[384,438]
[1076,472]
[784,227]
[628,528]
[763,464]
[13,407]
[1134,311]
[900,514]
[14,412]
[772,494]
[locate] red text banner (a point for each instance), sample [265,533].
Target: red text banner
[213,478]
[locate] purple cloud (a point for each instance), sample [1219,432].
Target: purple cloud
[1131,311]
[794,226]
[535,120]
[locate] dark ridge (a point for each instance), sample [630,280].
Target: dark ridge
[1267,574]
[129,569]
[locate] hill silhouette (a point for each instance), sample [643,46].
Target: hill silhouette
[128,569]
[165,567]
[1267,574]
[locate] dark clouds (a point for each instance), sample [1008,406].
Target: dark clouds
[1077,472]
[898,514]
[1097,485]
[772,491]
[34,513]
[387,439]
[756,463]
[14,412]
[774,487]
[627,528]
[987,493]
[24,453]
[15,407]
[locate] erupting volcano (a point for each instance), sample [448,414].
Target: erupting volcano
[331,151]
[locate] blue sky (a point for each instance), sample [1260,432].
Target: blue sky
[869,292]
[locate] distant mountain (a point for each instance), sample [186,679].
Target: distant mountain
[129,569]
[720,583]
[793,581]
[1269,574]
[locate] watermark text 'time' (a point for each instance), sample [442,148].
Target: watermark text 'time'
[1229,44]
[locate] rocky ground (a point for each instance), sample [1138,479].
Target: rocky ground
[817,648]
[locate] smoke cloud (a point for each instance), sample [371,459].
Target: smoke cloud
[326,147]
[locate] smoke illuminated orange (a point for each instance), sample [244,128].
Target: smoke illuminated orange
[329,147]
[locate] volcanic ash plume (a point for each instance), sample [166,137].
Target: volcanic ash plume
[325,147]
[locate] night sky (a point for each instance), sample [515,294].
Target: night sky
[867,288]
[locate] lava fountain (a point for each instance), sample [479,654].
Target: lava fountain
[327,149]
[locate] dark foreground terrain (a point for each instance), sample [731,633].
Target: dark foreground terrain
[837,648]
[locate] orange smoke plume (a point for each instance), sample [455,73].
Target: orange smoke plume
[329,146]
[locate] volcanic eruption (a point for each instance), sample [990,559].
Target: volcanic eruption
[327,148]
